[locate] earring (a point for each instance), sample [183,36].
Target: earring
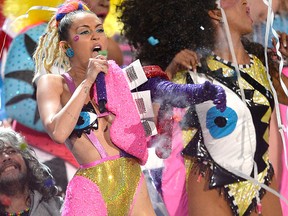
[69,52]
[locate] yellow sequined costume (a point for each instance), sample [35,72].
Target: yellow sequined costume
[222,144]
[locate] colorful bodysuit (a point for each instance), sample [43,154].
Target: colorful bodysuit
[108,186]
[231,144]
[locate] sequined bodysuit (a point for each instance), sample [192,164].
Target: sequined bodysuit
[108,186]
[235,141]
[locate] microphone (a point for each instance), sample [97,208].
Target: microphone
[101,87]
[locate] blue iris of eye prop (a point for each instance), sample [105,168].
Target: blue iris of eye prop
[221,124]
[85,120]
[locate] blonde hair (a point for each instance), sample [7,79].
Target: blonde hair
[48,52]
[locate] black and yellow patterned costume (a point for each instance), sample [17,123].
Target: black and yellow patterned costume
[235,140]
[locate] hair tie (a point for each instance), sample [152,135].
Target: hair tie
[69,7]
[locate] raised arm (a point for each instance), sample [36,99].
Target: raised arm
[59,121]
[183,95]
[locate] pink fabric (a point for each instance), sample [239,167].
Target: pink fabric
[174,174]
[94,140]
[94,163]
[284,180]
[136,193]
[285,71]
[83,197]
[126,131]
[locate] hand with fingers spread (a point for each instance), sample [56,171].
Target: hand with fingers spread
[185,59]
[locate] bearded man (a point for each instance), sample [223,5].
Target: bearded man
[26,185]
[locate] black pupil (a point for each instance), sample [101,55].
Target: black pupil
[220,121]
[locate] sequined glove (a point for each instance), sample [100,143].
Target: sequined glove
[183,95]
[213,92]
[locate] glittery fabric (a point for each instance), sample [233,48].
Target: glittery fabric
[168,95]
[109,188]
[242,195]
[222,139]
[256,70]
[154,71]
[126,130]
[181,96]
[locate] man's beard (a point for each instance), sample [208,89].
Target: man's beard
[12,186]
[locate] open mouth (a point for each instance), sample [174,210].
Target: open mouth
[9,167]
[97,49]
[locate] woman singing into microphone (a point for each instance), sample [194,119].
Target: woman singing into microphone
[109,153]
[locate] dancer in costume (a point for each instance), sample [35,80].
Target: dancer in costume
[110,155]
[230,147]
[249,120]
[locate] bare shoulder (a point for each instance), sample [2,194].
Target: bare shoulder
[50,78]
[50,82]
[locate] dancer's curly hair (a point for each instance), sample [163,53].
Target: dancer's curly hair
[38,174]
[176,24]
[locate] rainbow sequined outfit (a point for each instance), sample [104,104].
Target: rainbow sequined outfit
[237,139]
